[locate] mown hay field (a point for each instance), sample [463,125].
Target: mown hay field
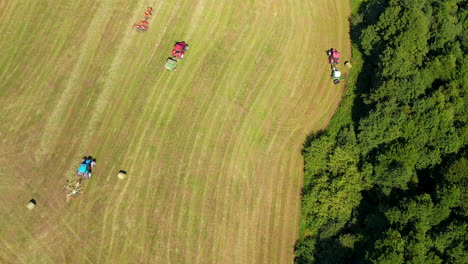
[212,151]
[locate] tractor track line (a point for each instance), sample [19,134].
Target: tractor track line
[140,143]
[195,19]
[219,183]
[228,187]
[116,209]
[102,102]
[216,113]
[167,100]
[215,134]
[172,109]
[191,147]
[206,187]
[95,30]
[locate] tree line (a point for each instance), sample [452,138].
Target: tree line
[387,182]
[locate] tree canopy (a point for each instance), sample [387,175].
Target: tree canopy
[387,181]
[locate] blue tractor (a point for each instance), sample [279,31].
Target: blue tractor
[84,170]
[73,188]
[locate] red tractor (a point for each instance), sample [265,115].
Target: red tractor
[333,56]
[179,49]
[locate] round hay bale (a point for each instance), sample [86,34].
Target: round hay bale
[122,174]
[31,204]
[348,65]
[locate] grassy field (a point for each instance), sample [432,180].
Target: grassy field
[212,151]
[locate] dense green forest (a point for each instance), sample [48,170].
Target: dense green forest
[386,182]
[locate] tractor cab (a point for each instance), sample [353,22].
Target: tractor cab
[333,56]
[179,49]
[84,170]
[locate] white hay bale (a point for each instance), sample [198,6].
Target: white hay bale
[31,204]
[122,175]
